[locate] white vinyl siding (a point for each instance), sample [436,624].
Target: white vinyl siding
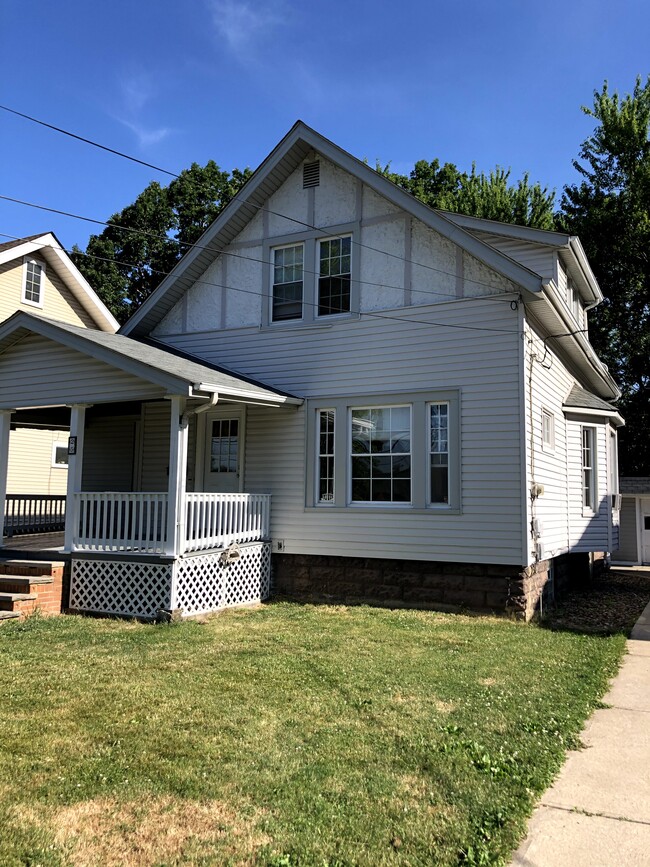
[374,356]
[109,453]
[45,373]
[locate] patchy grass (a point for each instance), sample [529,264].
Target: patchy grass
[287,735]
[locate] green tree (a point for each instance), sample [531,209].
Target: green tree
[145,240]
[610,211]
[476,194]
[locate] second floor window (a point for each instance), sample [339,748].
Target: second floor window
[334,276]
[287,282]
[33,288]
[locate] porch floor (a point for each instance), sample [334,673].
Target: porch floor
[32,544]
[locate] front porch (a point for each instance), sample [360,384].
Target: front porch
[140,533]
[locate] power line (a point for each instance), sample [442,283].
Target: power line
[234,198]
[224,252]
[373,314]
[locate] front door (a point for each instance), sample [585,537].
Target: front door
[645,531]
[224,452]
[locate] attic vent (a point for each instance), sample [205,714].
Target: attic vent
[311,174]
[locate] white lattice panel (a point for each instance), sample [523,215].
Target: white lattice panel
[206,584]
[113,587]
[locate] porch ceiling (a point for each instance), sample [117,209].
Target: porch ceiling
[45,362]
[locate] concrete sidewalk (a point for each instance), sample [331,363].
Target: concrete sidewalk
[597,813]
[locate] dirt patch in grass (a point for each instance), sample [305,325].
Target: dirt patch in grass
[611,603]
[152,831]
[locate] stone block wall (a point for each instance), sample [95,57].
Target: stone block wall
[520,592]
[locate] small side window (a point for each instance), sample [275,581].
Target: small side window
[548,430]
[33,282]
[59,455]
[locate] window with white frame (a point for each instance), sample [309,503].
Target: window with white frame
[548,430]
[589,468]
[613,462]
[33,277]
[393,450]
[326,419]
[313,276]
[439,453]
[59,455]
[334,275]
[380,460]
[287,282]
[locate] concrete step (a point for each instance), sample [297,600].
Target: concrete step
[8,615]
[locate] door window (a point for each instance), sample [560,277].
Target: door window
[224,444]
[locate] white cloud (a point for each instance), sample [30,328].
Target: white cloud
[242,24]
[137,90]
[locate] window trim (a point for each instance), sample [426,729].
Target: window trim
[30,260]
[328,504]
[589,510]
[550,445]
[311,272]
[55,465]
[419,402]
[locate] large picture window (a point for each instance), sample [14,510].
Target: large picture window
[380,468]
[392,450]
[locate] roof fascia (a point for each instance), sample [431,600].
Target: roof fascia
[50,247]
[300,132]
[510,230]
[612,414]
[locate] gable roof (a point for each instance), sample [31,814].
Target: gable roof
[300,141]
[179,373]
[48,246]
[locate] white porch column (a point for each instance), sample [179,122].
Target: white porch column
[177,478]
[5,427]
[75,469]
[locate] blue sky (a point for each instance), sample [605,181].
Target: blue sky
[498,83]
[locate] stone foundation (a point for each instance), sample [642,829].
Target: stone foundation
[522,592]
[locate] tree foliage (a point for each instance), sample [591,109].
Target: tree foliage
[476,194]
[144,241]
[610,211]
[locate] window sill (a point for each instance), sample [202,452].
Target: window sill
[379,508]
[38,304]
[317,323]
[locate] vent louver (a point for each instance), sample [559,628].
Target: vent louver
[311,174]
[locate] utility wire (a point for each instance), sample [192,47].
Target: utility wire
[370,313]
[232,254]
[234,198]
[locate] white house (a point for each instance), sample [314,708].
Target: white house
[402,404]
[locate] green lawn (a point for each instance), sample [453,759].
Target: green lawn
[286,735]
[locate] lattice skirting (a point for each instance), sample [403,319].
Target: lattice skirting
[206,584]
[140,589]
[114,587]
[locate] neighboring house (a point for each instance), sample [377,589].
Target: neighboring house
[402,403]
[37,275]
[634,545]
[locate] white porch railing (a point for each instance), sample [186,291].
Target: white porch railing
[216,520]
[107,521]
[137,522]
[34,513]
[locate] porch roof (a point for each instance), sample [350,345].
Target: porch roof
[579,400]
[176,373]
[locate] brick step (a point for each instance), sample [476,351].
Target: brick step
[8,615]
[7,599]
[31,568]
[7,581]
